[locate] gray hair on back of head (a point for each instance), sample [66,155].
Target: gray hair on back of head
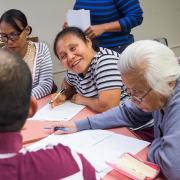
[161,64]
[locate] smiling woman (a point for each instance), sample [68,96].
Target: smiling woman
[92,77]
[14,33]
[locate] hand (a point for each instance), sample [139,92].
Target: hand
[94,31]
[59,100]
[65,25]
[77,99]
[69,127]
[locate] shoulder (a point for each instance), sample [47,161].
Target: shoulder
[50,154]
[105,57]
[106,51]
[41,47]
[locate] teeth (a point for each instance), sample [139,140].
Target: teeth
[75,63]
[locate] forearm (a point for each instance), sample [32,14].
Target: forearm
[97,105]
[111,27]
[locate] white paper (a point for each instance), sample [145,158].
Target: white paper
[98,146]
[64,112]
[78,18]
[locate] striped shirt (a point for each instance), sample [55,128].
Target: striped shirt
[127,12]
[42,72]
[102,74]
[53,162]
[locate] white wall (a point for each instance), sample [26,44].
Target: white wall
[161,19]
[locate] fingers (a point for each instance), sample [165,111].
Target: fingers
[56,100]
[63,127]
[73,99]
[90,33]
[65,25]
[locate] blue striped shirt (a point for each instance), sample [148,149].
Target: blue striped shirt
[103,74]
[127,12]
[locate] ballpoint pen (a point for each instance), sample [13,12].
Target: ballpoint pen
[59,93]
[57,128]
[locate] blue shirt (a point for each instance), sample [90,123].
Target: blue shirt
[127,12]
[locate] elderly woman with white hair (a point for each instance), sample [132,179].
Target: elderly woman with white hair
[151,74]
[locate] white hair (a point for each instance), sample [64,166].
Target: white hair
[161,65]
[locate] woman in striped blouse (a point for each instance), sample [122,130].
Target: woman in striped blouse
[92,77]
[14,32]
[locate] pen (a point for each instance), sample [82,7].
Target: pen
[57,128]
[60,92]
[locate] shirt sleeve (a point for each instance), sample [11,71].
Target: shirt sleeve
[132,13]
[107,75]
[126,114]
[43,79]
[164,150]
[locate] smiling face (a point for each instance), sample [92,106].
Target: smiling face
[19,44]
[138,87]
[75,54]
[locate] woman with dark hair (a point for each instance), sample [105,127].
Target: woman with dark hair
[92,77]
[14,33]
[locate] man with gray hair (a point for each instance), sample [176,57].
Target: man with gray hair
[151,74]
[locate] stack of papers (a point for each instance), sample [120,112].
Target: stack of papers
[78,18]
[64,112]
[98,146]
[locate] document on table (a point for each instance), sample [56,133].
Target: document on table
[78,18]
[64,111]
[98,146]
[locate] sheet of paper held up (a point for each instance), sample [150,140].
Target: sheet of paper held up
[64,111]
[97,146]
[78,18]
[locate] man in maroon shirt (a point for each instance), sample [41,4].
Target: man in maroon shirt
[52,163]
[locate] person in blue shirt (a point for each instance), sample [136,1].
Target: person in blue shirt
[112,21]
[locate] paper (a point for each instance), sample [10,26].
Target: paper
[78,18]
[64,112]
[98,146]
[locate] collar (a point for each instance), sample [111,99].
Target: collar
[10,142]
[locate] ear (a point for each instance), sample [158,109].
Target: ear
[32,107]
[88,41]
[28,30]
[172,84]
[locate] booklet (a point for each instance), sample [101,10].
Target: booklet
[135,168]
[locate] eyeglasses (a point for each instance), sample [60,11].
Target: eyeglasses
[12,36]
[139,100]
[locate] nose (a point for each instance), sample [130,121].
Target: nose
[9,42]
[70,56]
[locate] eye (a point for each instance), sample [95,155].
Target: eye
[63,57]
[73,48]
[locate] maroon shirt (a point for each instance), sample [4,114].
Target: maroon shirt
[52,163]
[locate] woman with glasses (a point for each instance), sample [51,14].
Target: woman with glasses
[14,33]
[151,73]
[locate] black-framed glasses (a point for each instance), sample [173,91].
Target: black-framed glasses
[137,99]
[12,36]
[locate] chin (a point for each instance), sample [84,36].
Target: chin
[147,109]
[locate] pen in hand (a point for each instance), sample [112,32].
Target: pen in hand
[57,95]
[57,128]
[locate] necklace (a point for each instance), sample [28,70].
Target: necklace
[30,55]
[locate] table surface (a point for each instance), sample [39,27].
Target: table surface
[34,131]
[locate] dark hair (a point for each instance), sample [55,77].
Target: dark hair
[11,16]
[77,32]
[15,91]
